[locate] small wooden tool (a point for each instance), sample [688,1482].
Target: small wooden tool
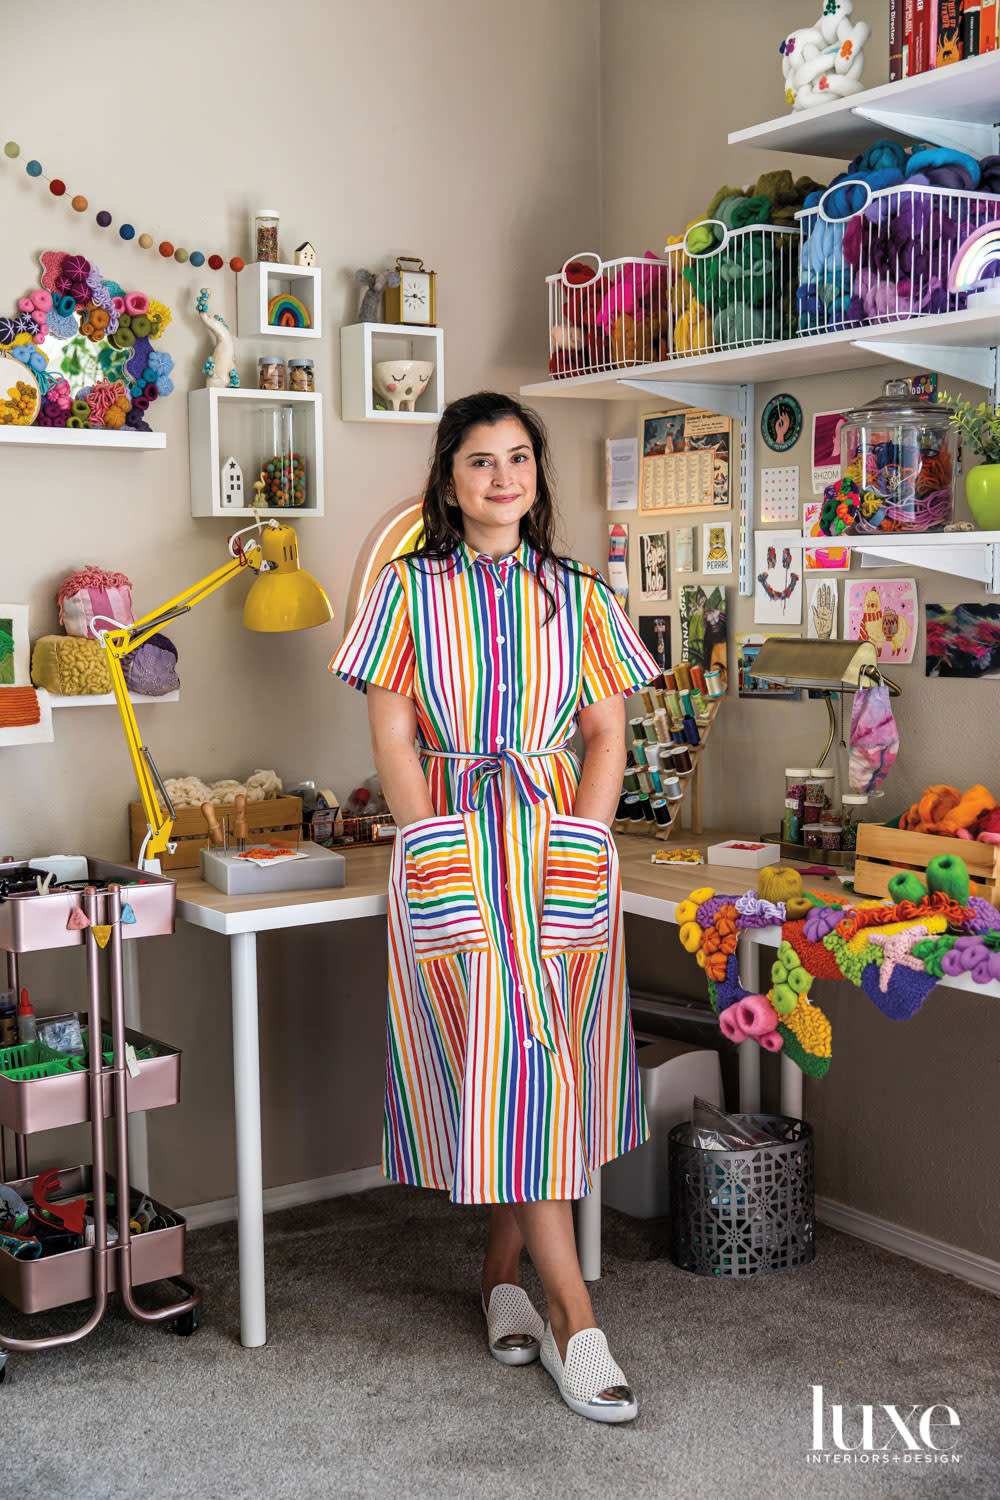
[214,827]
[240,829]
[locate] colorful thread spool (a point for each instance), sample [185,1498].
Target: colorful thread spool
[713,683]
[647,811]
[662,726]
[682,672]
[669,680]
[686,708]
[682,761]
[630,781]
[637,730]
[698,678]
[698,703]
[634,808]
[640,754]
[649,730]
[622,807]
[678,736]
[672,788]
[645,780]
[691,730]
[654,777]
[661,811]
[674,705]
[647,699]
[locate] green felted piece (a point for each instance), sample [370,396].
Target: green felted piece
[713,995]
[948,873]
[932,950]
[851,965]
[747,211]
[906,886]
[784,999]
[800,980]
[816,1067]
[724,193]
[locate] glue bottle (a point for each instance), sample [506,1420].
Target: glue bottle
[26,1028]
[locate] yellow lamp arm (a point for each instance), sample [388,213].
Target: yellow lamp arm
[119,642]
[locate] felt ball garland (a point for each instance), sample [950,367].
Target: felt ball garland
[126,231]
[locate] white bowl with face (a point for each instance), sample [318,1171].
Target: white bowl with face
[401,382]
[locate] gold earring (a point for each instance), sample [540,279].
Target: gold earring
[450,498]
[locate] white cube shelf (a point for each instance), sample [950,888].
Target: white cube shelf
[260,282]
[362,344]
[225,424]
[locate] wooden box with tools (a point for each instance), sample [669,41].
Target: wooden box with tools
[884,852]
[280,817]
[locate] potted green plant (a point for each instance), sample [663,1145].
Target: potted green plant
[979,428]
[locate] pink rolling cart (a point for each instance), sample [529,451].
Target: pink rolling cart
[125,1073]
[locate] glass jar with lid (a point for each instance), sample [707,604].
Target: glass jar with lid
[898,457]
[795,801]
[854,807]
[819,794]
[266,234]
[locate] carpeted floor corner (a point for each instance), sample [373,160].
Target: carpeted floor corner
[376,1380]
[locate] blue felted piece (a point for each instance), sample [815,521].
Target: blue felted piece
[940,156]
[908,989]
[128,915]
[849,196]
[139,358]
[880,157]
[730,990]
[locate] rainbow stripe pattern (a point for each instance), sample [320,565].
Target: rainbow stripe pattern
[511,1072]
[286,311]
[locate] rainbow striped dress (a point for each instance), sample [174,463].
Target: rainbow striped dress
[511,1071]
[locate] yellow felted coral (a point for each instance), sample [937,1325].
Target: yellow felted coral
[69,665]
[691,937]
[810,1026]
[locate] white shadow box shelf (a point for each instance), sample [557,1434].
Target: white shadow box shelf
[83,437]
[260,282]
[364,344]
[224,424]
[107,700]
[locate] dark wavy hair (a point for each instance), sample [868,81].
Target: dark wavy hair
[442,523]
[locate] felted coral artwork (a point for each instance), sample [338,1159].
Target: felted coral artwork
[109,373]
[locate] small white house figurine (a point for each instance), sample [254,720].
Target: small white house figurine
[232,484]
[220,366]
[305,255]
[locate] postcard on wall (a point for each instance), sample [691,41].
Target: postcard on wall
[618,559]
[777,594]
[684,549]
[654,632]
[747,647]
[717,547]
[621,469]
[654,573]
[826,449]
[821,608]
[685,461]
[962,640]
[703,627]
[826,558]
[883,611]
[779,495]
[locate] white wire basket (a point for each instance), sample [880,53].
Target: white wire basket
[610,315]
[736,287]
[888,258]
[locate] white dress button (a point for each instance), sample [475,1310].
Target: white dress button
[500,640]
[528,1043]
[499,739]
[501,687]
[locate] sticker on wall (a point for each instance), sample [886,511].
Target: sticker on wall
[654,632]
[824,558]
[821,609]
[883,611]
[826,449]
[717,548]
[962,640]
[779,495]
[777,593]
[684,549]
[703,628]
[781,422]
[621,473]
[654,573]
[618,559]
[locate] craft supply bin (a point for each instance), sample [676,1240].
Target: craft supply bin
[34,1286]
[743,1213]
[740,288]
[883,852]
[608,315]
[31,923]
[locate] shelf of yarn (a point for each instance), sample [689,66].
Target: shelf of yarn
[107,700]
[961,554]
[954,106]
[83,437]
[223,423]
[973,331]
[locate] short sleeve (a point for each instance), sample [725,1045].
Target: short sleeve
[614,658]
[378,647]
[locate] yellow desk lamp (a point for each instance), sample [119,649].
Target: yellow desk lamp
[283,597]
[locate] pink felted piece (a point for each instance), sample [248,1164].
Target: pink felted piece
[771,1041]
[78,920]
[756,1015]
[729,1024]
[52,264]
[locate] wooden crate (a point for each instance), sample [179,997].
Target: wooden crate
[275,815]
[884,852]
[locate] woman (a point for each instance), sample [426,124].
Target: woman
[511,1071]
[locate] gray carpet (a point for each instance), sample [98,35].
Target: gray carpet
[377,1382]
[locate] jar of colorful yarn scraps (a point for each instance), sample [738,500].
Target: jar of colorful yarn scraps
[830,835]
[819,795]
[854,806]
[795,801]
[898,460]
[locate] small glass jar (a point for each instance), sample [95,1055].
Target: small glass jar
[270,373]
[266,234]
[300,375]
[830,835]
[819,793]
[854,806]
[812,835]
[899,454]
[795,785]
[791,823]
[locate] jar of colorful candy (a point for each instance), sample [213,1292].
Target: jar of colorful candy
[812,835]
[853,809]
[819,794]
[897,462]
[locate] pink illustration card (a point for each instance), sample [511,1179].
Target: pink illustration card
[884,611]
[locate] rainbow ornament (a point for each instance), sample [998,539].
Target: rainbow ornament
[286,311]
[977,251]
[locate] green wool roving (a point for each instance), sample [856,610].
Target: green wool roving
[948,873]
[907,886]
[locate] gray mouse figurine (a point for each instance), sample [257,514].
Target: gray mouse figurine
[376,284]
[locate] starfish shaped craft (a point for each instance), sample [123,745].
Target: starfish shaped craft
[897,948]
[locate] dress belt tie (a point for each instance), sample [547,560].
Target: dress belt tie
[483,768]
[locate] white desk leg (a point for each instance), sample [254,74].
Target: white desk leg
[791,1088]
[249,1170]
[588,1230]
[749,961]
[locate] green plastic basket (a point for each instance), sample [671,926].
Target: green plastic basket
[30,1060]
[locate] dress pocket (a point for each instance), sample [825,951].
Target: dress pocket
[440,889]
[576,907]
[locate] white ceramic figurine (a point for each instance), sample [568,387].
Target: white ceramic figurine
[824,62]
[220,366]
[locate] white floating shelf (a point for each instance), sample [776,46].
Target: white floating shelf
[961,554]
[954,106]
[84,437]
[105,700]
[364,344]
[815,354]
[224,423]
[262,280]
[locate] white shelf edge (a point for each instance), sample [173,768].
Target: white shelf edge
[105,700]
[972,555]
[83,437]
[411,417]
[907,539]
[266,398]
[287,512]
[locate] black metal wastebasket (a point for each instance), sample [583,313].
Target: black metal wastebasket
[743,1213]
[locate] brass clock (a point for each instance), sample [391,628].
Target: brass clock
[414,299]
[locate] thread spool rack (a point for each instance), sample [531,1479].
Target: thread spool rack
[691,787]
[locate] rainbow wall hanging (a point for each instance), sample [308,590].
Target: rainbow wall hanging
[286,311]
[978,251]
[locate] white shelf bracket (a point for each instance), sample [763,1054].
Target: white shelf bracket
[979,564]
[978,366]
[724,400]
[958,135]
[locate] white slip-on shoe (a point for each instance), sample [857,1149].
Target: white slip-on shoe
[590,1382]
[514,1328]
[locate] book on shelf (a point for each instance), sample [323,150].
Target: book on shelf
[925,34]
[948,33]
[895,40]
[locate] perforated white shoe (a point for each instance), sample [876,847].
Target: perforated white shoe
[514,1328]
[590,1382]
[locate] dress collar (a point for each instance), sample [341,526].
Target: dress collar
[465,557]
